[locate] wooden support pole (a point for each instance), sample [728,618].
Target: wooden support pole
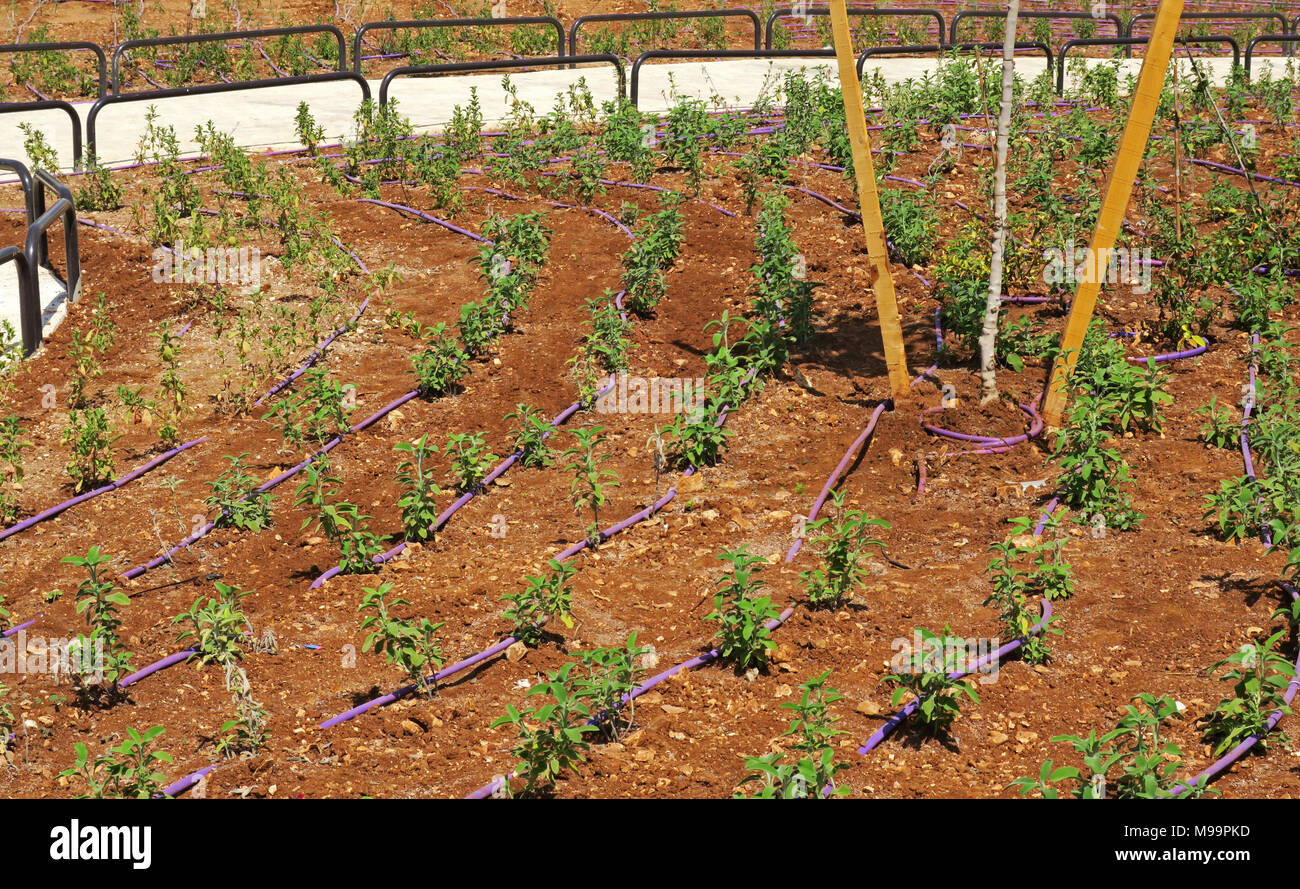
[1119,189]
[891,330]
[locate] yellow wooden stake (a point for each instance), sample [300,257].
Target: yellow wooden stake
[1119,189]
[891,331]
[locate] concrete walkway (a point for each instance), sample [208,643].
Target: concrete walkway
[264,118]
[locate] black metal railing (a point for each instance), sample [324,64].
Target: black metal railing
[1213,17]
[660,16]
[1129,42]
[417,24]
[926,49]
[101,61]
[227,37]
[719,54]
[1287,40]
[209,88]
[52,105]
[34,254]
[860,11]
[1050,14]
[498,64]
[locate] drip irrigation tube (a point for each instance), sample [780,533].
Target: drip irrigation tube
[50,513]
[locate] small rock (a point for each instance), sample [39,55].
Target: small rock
[516,652]
[411,727]
[869,708]
[999,738]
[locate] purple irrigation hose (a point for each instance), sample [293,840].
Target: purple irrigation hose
[1171,356]
[894,721]
[18,629]
[445,673]
[314,356]
[267,486]
[163,664]
[708,657]
[401,208]
[50,513]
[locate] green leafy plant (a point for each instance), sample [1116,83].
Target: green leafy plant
[742,615]
[530,439]
[101,659]
[11,467]
[609,677]
[1219,430]
[217,626]
[126,771]
[340,522]
[412,646]
[441,366]
[544,597]
[589,489]
[812,733]
[551,734]
[1130,762]
[470,459]
[89,435]
[236,499]
[1260,676]
[843,545]
[418,502]
[926,677]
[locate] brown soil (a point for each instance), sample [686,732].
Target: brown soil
[1153,608]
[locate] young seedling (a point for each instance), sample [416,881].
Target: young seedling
[530,440]
[217,626]
[611,675]
[418,502]
[100,660]
[743,637]
[411,646]
[1147,767]
[11,467]
[843,546]
[470,460]
[589,489]
[812,732]
[236,500]
[926,677]
[340,522]
[1261,676]
[544,597]
[127,771]
[550,735]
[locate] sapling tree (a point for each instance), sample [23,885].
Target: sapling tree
[1001,230]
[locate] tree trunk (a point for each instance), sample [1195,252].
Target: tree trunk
[989,335]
